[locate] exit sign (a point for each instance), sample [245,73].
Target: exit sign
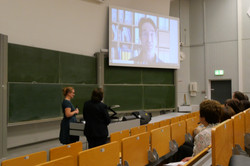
[219,72]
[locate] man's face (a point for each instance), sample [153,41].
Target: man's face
[148,39]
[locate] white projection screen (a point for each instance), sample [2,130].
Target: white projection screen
[141,39]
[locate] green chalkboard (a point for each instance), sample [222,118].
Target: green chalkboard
[121,75]
[77,69]
[139,88]
[36,77]
[128,97]
[158,76]
[156,97]
[29,64]
[29,101]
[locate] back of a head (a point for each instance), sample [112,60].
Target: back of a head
[227,112]
[246,104]
[211,110]
[97,95]
[235,104]
[239,95]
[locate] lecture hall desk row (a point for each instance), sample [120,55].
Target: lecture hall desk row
[160,132]
[134,148]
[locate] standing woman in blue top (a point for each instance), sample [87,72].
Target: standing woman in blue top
[96,115]
[69,115]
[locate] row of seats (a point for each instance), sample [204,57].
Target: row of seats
[133,148]
[227,138]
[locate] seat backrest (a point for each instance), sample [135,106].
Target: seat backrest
[164,122]
[27,160]
[66,150]
[119,135]
[64,161]
[222,143]
[105,155]
[152,126]
[138,130]
[174,120]
[183,117]
[178,131]
[192,123]
[135,149]
[247,120]
[239,129]
[160,139]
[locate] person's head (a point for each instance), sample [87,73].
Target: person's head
[69,92]
[235,104]
[210,112]
[148,36]
[97,95]
[239,95]
[246,97]
[246,104]
[227,112]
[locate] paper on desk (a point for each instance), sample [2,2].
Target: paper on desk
[175,163]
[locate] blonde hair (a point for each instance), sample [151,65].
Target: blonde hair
[67,90]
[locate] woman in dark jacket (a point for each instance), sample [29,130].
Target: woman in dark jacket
[96,116]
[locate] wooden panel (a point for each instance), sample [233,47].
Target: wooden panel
[118,136]
[239,129]
[222,143]
[27,160]
[105,155]
[64,161]
[164,122]
[192,123]
[160,140]
[174,119]
[66,150]
[152,126]
[178,131]
[135,149]
[247,120]
[138,130]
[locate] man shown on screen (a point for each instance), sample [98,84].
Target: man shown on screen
[148,37]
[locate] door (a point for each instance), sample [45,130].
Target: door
[221,90]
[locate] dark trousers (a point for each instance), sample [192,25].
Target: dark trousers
[96,141]
[185,150]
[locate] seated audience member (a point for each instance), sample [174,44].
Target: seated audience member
[239,95]
[210,114]
[227,113]
[246,104]
[246,97]
[235,104]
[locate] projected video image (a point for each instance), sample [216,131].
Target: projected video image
[143,40]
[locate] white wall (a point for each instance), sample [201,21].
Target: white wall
[214,43]
[75,26]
